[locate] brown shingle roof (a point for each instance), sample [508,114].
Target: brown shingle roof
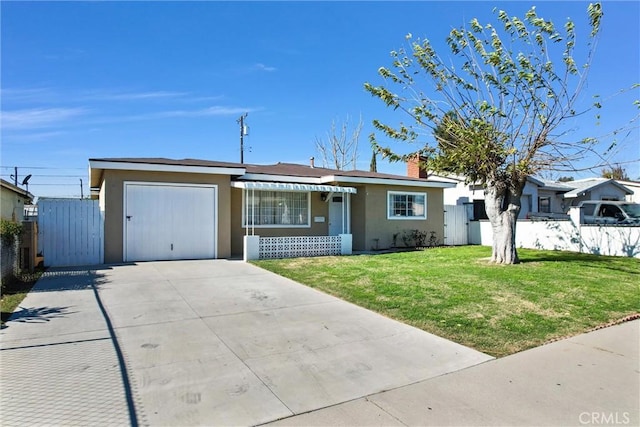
[292,169]
[284,169]
[164,161]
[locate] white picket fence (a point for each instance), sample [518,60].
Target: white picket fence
[70,232]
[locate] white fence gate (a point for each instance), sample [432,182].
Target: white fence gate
[456,225]
[70,232]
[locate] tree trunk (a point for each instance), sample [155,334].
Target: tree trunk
[502,203]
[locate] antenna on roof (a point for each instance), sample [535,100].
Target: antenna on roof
[25,181]
[15,176]
[244,130]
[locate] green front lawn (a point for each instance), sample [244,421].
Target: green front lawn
[455,293]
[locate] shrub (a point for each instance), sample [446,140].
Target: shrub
[9,231]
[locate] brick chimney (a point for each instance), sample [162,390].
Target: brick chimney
[414,170]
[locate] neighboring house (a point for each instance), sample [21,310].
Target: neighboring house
[634,187]
[12,201]
[594,189]
[541,198]
[157,209]
[550,200]
[472,194]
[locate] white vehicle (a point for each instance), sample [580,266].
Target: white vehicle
[610,212]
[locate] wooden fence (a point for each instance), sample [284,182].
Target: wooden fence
[70,232]
[456,225]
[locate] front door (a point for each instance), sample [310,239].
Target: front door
[336,215]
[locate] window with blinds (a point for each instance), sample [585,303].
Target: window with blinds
[276,209]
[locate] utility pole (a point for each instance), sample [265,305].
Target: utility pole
[81,192]
[242,134]
[15,176]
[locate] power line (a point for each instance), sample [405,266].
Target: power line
[42,167]
[49,176]
[65,184]
[62,196]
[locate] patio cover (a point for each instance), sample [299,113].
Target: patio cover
[282,186]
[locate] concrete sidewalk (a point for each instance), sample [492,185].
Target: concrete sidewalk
[58,365]
[210,342]
[590,379]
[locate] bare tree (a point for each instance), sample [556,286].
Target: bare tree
[340,148]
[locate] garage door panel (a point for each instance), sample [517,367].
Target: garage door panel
[193,222]
[146,237]
[165,222]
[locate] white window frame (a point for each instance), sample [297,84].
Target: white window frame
[251,193]
[390,194]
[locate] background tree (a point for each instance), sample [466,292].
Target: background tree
[565,179]
[615,172]
[340,148]
[373,166]
[493,110]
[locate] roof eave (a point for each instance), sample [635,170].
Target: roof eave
[279,178]
[19,191]
[386,181]
[97,168]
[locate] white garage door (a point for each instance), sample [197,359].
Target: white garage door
[169,221]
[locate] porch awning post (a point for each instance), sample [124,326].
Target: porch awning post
[245,197]
[348,221]
[343,221]
[253,214]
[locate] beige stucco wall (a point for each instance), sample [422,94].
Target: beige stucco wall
[318,209]
[113,193]
[369,217]
[368,213]
[11,205]
[358,216]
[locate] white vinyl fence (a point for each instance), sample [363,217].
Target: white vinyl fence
[70,232]
[565,235]
[456,225]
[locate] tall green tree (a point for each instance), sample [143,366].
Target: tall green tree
[492,110]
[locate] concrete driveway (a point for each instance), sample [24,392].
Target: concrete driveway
[211,342]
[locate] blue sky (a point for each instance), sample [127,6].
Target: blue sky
[169,79]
